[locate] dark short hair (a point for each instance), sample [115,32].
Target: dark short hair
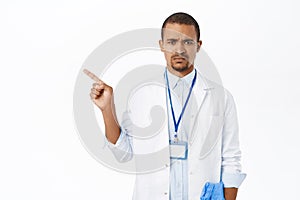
[181,18]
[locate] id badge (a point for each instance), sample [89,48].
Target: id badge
[178,150]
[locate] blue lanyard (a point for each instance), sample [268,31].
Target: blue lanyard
[176,124]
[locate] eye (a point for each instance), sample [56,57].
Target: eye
[189,42]
[171,42]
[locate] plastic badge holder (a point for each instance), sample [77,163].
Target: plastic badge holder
[178,150]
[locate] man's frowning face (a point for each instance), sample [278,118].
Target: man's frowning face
[180,45]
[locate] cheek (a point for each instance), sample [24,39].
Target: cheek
[168,56]
[192,53]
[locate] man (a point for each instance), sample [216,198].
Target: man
[202,121]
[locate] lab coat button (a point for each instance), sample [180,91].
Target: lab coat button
[166,193]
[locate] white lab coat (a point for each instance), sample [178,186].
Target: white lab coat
[213,143]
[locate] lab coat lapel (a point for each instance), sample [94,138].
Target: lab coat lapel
[209,120]
[200,91]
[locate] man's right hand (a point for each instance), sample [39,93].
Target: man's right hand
[101,93]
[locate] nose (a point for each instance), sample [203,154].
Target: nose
[180,48]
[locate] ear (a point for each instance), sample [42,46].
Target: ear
[199,43]
[161,45]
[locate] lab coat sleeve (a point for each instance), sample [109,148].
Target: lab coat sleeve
[231,153]
[122,149]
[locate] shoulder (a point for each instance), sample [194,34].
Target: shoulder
[218,92]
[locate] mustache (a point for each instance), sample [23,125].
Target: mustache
[186,57]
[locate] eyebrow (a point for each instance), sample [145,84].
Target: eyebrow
[188,40]
[172,39]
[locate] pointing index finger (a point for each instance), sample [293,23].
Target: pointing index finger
[91,75]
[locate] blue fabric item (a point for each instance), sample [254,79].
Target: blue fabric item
[213,191]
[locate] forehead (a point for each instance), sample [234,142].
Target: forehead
[184,31]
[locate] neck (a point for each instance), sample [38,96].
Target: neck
[180,74]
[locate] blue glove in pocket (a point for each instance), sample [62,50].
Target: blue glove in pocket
[213,191]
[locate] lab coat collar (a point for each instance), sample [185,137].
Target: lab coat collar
[187,79]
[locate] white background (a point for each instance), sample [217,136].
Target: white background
[254,44]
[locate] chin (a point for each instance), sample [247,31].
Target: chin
[181,68]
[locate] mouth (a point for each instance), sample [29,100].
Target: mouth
[179,59]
